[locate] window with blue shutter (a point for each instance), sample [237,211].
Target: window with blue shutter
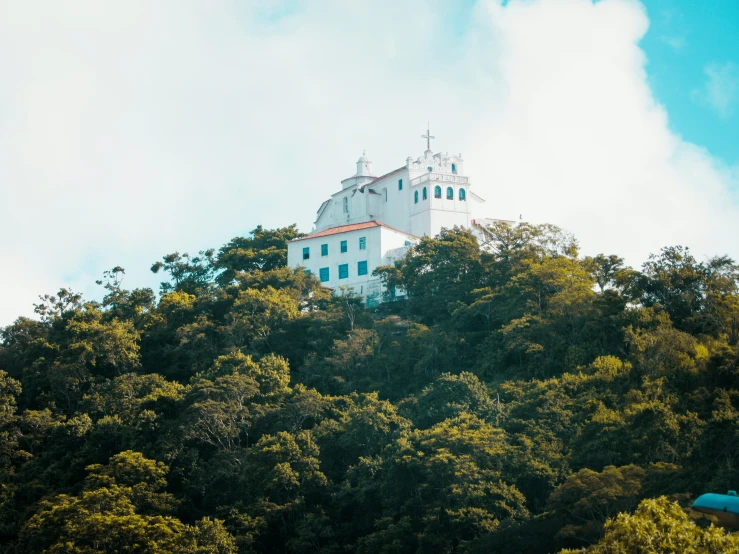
[362,243]
[343,246]
[449,193]
[361,268]
[306,253]
[323,273]
[462,195]
[324,250]
[343,271]
[400,184]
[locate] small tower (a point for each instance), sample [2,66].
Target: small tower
[363,175]
[364,166]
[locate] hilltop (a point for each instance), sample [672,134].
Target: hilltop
[518,398]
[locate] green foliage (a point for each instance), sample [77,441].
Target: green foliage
[589,498]
[111,515]
[264,250]
[190,274]
[660,526]
[520,399]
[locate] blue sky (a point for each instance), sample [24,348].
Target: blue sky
[129,130]
[686,39]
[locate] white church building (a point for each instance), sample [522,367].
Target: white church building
[372,221]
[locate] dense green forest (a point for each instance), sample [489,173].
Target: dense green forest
[520,398]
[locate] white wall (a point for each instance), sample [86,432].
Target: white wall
[334,215]
[379,241]
[394,212]
[398,209]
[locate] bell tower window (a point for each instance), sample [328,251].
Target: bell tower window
[454,168]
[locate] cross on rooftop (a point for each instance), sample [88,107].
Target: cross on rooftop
[428,137]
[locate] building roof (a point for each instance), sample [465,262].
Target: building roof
[374,180]
[348,228]
[381,177]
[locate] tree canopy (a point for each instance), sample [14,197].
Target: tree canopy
[519,398]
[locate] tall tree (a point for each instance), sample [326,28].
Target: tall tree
[263,250]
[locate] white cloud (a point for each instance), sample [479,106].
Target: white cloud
[722,87]
[129,130]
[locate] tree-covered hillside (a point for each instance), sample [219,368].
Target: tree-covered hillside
[521,399]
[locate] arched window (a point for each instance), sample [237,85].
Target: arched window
[430,169]
[437,191]
[454,168]
[415,197]
[449,193]
[462,195]
[424,193]
[346,205]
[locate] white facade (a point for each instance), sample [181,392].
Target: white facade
[365,247]
[391,198]
[390,212]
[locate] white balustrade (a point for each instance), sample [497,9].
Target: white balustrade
[439,177]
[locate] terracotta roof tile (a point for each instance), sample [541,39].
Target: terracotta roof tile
[348,228]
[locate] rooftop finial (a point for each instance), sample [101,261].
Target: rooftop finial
[428,136]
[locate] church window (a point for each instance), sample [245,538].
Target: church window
[306,253]
[449,193]
[323,273]
[462,195]
[346,205]
[343,246]
[424,193]
[400,184]
[324,250]
[361,268]
[454,168]
[362,243]
[430,169]
[343,271]
[415,197]
[437,191]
